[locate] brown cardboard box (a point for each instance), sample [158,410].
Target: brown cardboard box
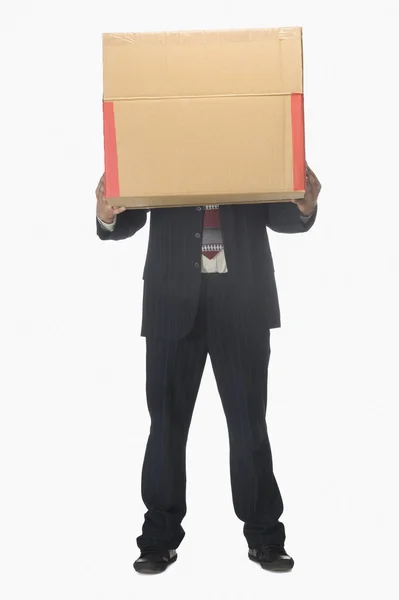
[203,117]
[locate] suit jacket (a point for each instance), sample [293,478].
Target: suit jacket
[172,272]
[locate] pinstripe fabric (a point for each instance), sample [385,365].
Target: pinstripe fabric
[172,273]
[237,341]
[188,315]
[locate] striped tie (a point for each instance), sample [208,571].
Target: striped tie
[212,242]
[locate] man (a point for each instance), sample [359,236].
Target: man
[209,288]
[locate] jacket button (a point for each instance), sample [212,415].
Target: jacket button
[197,235]
[199,208]
[196,265]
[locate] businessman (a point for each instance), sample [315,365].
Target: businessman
[209,288]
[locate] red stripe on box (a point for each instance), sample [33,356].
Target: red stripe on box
[110,152]
[298,141]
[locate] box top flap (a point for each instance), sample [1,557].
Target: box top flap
[202,63]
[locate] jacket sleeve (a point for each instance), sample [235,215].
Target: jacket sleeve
[127,224]
[285,217]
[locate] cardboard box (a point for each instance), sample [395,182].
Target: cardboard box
[203,117]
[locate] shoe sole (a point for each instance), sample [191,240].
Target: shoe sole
[282,566]
[155,569]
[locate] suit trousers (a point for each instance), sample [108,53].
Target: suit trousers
[233,331]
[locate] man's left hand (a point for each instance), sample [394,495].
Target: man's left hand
[307,205]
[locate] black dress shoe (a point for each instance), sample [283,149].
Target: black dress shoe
[152,561]
[271,558]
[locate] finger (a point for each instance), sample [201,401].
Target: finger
[118,210]
[104,203]
[314,184]
[101,181]
[100,186]
[309,170]
[102,198]
[312,175]
[100,194]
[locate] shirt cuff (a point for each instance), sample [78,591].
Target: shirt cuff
[306,218]
[107,226]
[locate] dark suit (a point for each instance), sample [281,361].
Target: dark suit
[188,315]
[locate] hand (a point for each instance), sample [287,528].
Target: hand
[308,204]
[105,211]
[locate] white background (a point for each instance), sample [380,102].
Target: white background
[73,412]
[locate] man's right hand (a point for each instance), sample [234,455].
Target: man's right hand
[105,211]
